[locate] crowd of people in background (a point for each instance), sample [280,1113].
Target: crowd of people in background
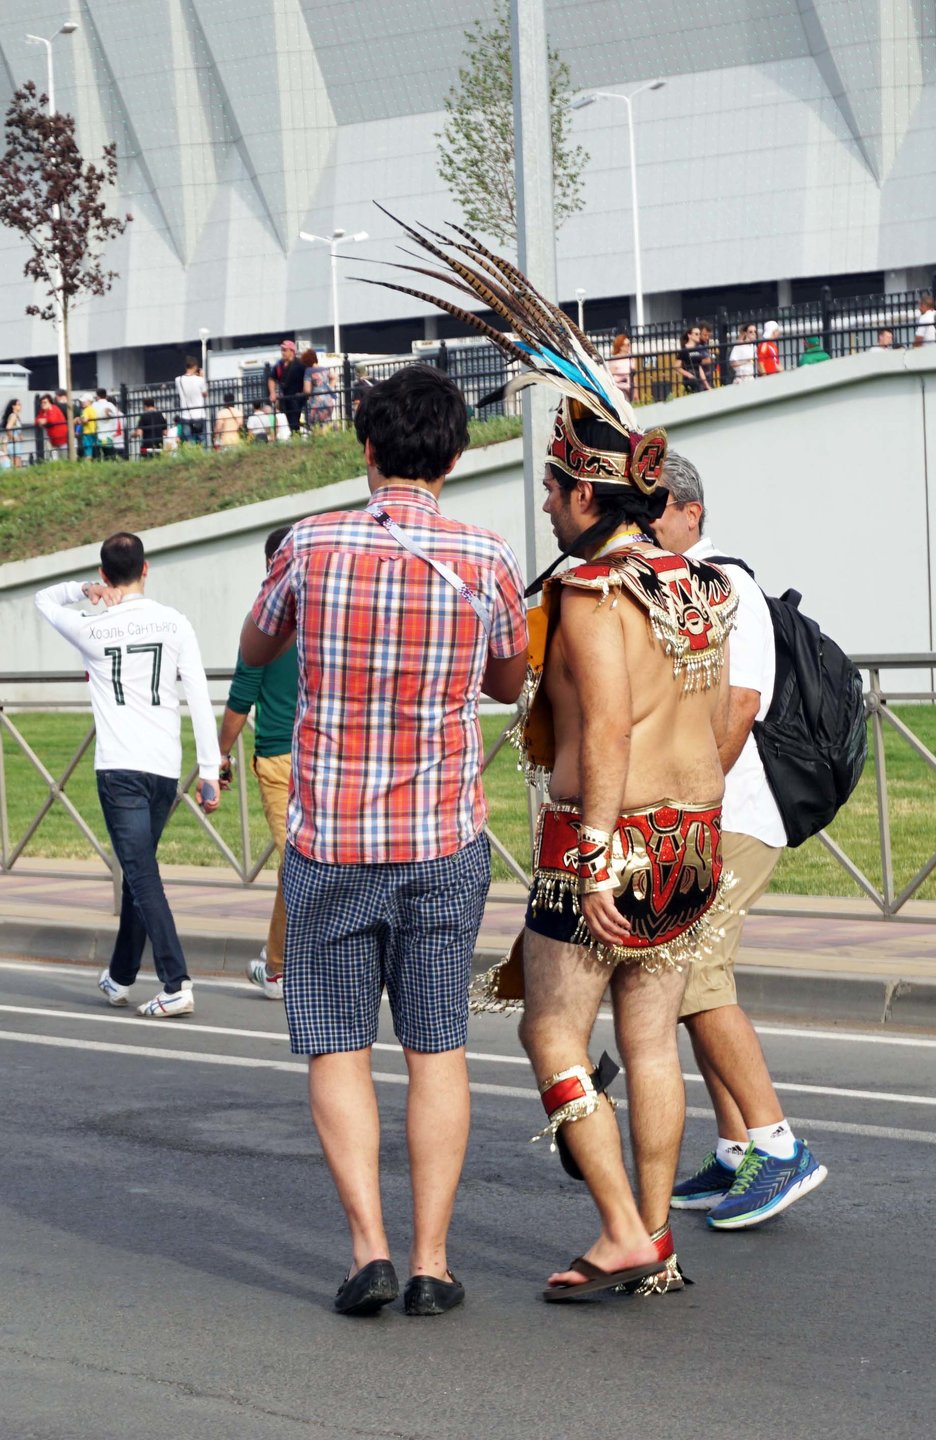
[301,400]
[303,396]
[693,367]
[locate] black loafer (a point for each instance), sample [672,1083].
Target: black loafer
[425,1295]
[374,1286]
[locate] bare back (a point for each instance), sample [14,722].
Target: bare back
[671,730]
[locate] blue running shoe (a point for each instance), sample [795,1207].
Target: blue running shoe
[706,1187]
[764,1186]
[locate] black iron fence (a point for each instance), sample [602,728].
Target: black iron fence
[730,352]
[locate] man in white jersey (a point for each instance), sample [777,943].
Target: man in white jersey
[133,651]
[758,1167]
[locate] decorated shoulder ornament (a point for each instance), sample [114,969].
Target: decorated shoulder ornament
[691,606]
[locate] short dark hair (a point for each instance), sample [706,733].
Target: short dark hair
[227,398]
[149,403]
[191,363]
[274,540]
[416,421]
[101,394]
[122,557]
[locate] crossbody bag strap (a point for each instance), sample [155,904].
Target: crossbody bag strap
[447,573]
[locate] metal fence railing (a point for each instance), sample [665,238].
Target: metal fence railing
[246,865]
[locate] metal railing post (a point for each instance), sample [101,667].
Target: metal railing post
[4,824]
[880,781]
[242,802]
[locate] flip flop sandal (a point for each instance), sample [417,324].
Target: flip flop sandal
[598,1279]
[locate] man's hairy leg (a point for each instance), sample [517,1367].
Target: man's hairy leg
[438,1113]
[645,1011]
[563,990]
[344,1112]
[729,1053]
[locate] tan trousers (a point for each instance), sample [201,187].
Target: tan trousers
[711,981]
[273,772]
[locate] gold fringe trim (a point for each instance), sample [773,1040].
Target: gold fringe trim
[483,998]
[578,1109]
[670,1278]
[700,670]
[551,888]
[700,939]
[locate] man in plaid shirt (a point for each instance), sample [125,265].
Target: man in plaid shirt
[387,867]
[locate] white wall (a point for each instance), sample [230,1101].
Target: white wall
[819,478]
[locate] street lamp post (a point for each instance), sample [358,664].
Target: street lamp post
[204,336]
[68,28]
[579,104]
[336,238]
[580,302]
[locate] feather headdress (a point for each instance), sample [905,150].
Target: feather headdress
[551,348]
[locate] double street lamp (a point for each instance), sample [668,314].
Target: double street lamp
[68,28]
[579,104]
[336,238]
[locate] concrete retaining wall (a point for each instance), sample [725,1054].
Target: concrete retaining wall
[822,478]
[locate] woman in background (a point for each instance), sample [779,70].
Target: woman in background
[11,433]
[623,365]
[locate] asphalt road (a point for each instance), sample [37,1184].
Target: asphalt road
[171,1245]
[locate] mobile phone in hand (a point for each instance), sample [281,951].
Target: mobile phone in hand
[208,794]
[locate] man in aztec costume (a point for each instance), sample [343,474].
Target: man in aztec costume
[626,692]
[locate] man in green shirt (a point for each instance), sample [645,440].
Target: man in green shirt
[271,690]
[813,352]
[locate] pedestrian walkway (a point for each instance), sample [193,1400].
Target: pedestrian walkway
[793,960]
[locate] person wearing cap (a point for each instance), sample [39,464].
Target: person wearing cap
[813,353]
[768,351]
[286,384]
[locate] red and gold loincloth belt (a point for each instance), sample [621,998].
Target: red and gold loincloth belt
[667,859]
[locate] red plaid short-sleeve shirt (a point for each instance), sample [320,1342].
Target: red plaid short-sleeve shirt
[387,745]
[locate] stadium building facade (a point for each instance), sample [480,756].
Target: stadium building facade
[794,141]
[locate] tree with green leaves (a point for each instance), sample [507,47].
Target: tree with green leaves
[54,199]
[476,143]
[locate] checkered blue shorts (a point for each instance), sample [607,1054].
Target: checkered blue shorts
[353,929]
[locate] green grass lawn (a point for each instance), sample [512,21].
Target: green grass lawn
[45,508]
[810,870]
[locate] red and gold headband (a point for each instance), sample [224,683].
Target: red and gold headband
[641,467]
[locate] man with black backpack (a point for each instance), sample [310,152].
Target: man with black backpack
[758,1167]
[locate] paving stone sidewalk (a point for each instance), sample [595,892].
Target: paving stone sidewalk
[795,960]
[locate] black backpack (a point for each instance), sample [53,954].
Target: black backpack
[813,741]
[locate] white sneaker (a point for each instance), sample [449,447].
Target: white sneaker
[164,1007]
[116,994]
[271,985]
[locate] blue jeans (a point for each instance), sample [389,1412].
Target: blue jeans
[136,807]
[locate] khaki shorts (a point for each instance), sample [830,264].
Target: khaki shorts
[711,982]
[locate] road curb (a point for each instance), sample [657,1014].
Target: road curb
[767,993]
